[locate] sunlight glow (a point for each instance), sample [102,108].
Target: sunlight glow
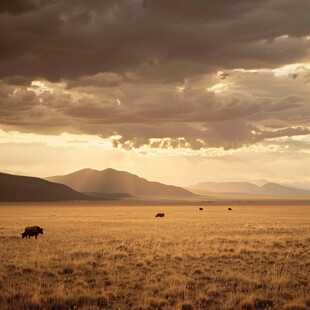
[291,69]
[218,88]
[62,140]
[39,87]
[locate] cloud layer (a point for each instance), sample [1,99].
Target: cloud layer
[167,74]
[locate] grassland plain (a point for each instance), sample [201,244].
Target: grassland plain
[103,257]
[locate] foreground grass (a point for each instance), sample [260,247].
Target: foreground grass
[125,258]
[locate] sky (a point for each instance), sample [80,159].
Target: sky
[175,91]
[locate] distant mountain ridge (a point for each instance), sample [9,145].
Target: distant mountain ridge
[110,184]
[114,181]
[22,189]
[299,185]
[247,188]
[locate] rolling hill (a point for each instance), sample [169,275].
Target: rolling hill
[114,181]
[246,188]
[21,189]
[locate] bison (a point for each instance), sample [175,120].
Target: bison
[160,215]
[200,209]
[32,231]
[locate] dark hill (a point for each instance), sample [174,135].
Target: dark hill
[21,188]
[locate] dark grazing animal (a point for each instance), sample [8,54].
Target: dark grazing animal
[160,215]
[32,231]
[229,209]
[200,209]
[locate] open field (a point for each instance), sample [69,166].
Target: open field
[122,257]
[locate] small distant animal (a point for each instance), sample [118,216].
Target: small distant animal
[160,215]
[229,209]
[200,209]
[32,231]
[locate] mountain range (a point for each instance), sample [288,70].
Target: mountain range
[110,184]
[246,188]
[113,181]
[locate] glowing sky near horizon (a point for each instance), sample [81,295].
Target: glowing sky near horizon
[178,92]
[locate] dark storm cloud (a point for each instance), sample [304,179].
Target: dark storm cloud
[19,6]
[98,80]
[18,80]
[70,39]
[144,70]
[287,132]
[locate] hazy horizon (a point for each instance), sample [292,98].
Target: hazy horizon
[139,175]
[257,182]
[162,178]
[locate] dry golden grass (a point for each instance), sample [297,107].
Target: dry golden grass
[125,258]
